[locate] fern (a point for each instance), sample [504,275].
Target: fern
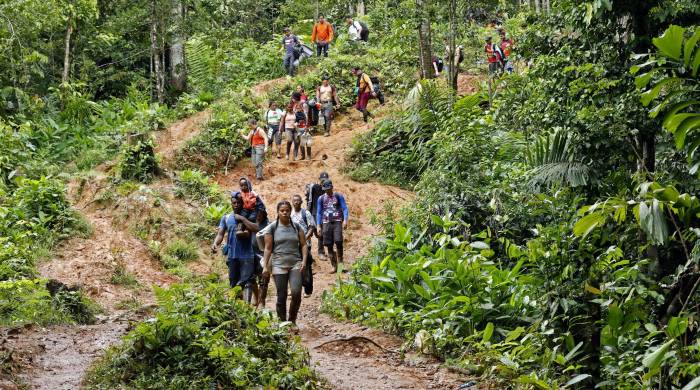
[201,60]
[553,162]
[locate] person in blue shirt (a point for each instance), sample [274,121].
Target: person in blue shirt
[240,256]
[332,214]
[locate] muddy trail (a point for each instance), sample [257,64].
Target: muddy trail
[349,356]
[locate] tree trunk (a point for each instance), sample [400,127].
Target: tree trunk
[537,6]
[178,71]
[155,53]
[426,62]
[360,7]
[66,54]
[452,58]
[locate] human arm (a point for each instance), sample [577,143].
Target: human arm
[335,97]
[253,227]
[346,212]
[219,235]
[435,68]
[330,33]
[264,135]
[319,209]
[304,252]
[267,267]
[311,225]
[313,33]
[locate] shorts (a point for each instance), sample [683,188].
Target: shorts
[362,100]
[332,232]
[292,135]
[274,134]
[241,272]
[493,67]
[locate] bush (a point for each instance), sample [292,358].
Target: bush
[195,186]
[178,252]
[138,160]
[203,337]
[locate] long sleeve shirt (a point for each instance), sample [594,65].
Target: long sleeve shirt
[332,208]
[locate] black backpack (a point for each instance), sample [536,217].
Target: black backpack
[440,64]
[377,89]
[364,35]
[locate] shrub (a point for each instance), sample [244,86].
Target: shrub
[194,185]
[203,337]
[181,251]
[138,160]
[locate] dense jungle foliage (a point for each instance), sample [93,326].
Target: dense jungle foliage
[554,238]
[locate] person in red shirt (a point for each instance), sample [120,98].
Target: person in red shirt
[258,143]
[322,35]
[506,46]
[492,55]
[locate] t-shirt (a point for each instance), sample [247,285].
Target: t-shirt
[285,251]
[257,139]
[238,248]
[298,218]
[289,42]
[332,208]
[273,117]
[325,93]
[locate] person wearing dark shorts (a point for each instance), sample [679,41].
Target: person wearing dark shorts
[313,192]
[332,211]
[238,250]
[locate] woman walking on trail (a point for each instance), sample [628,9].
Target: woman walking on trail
[273,116]
[285,258]
[258,141]
[289,121]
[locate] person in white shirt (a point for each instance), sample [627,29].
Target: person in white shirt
[357,30]
[273,116]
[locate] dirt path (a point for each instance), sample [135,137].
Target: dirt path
[57,357]
[355,364]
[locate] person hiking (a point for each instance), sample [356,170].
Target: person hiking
[333,213]
[285,258]
[303,218]
[289,121]
[289,42]
[327,96]
[451,60]
[313,192]
[303,133]
[438,65]
[494,56]
[322,35]
[252,203]
[506,46]
[357,30]
[273,116]
[238,250]
[365,90]
[258,141]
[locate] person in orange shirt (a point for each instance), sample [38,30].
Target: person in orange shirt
[322,35]
[258,142]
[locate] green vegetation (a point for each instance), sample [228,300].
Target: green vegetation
[554,238]
[202,337]
[194,185]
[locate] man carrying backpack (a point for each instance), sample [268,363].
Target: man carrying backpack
[289,42]
[313,192]
[322,35]
[506,45]
[240,257]
[328,98]
[333,213]
[365,90]
[357,30]
[303,218]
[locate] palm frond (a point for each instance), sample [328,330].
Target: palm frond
[553,162]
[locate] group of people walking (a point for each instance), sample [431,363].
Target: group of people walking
[498,55]
[257,249]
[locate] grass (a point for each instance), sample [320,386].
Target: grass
[122,277]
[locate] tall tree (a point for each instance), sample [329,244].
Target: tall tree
[178,71]
[74,12]
[424,39]
[156,58]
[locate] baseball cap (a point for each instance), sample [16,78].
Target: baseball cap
[323,175]
[327,185]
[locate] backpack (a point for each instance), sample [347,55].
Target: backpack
[461,56]
[313,192]
[377,89]
[364,34]
[440,65]
[363,25]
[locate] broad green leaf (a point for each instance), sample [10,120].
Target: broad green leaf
[689,48]
[653,93]
[578,378]
[676,326]
[586,224]
[642,80]
[592,289]
[692,385]
[479,245]
[671,42]
[615,316]
[488,332]
[514,334]
[653,360]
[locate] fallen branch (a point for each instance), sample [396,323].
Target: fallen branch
[354,338]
